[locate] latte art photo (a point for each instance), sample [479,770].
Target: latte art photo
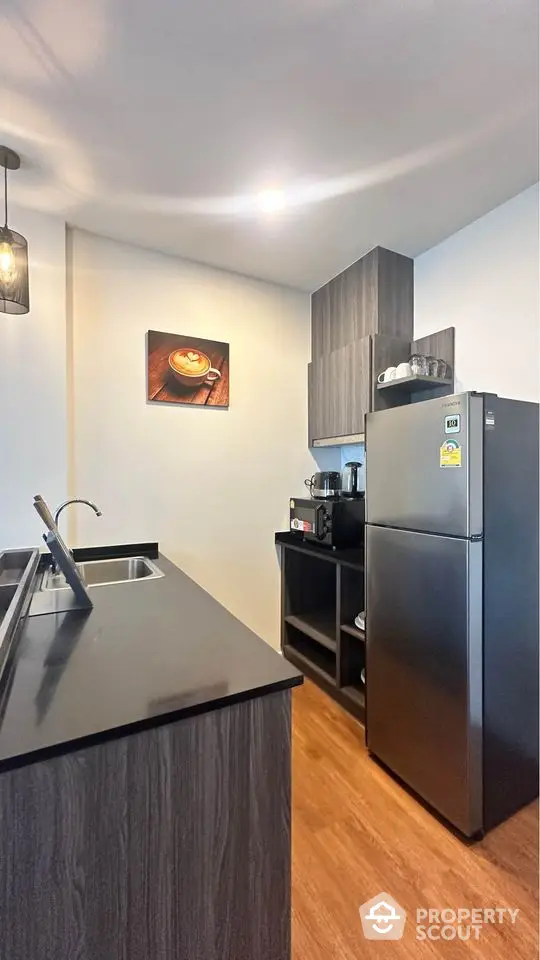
[185,369]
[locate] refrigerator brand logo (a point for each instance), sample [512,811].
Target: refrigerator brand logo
[382,918]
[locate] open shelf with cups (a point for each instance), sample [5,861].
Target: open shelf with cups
[414,383]
[408,372]
[322,592]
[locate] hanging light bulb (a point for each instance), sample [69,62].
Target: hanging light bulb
[8,270]
[13,252]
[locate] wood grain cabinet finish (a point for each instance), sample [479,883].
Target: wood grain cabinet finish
[374,295]
[440,344]
[339,391]
[372,298]
[361,323]
[169,844]
[321,406]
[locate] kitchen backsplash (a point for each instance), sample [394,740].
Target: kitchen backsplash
[335,458]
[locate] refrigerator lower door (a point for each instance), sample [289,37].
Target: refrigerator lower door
[424,667]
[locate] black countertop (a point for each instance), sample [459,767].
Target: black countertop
[149,652]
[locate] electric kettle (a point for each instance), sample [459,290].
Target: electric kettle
[351,481]
[324,485]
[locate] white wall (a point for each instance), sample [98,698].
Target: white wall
[33,385]
[211,485]
[484,281]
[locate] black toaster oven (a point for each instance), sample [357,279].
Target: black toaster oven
[332,523]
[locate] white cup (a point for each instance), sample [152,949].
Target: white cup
[386,375]
[403,370]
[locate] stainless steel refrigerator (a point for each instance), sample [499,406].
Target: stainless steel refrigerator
[452,491]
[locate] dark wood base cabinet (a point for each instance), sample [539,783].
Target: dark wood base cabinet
[169,844]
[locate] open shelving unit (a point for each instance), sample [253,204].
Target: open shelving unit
[396,393]
[414,383]
[321,593]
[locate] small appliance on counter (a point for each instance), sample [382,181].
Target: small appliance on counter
[325,485]
[332,523]
[351,480]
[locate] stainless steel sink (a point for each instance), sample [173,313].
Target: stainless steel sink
[98,573]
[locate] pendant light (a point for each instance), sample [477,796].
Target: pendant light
[13,252]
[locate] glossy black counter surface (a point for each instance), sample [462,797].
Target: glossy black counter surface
[149,652]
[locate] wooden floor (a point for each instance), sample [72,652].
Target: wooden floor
[356,833]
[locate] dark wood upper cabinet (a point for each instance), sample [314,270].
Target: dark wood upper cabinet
[373,296]
[361,323]
[320,406]
[339,391]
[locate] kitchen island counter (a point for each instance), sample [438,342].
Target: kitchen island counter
[145,785]
[149,652]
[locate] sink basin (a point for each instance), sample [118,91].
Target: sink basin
[98,573]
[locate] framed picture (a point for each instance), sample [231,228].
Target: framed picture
[183,369]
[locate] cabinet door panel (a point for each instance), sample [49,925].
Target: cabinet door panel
[321,401]
[373,295]
[395,291]
[355,385]
[339,391]
[316,426]
[320,322]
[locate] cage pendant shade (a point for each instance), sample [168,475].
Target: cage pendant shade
[14,288]
[14,291]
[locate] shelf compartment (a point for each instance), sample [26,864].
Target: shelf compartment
[352,660]
[310,653]
[354,631]
[414,383]
[309,585]
[319,625]
[356,693]
[351,598]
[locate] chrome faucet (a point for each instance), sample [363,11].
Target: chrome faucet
[62,506]
[66,503]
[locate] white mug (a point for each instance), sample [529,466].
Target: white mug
[403,370]
[386,375]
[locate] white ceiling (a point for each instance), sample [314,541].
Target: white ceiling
[390,122]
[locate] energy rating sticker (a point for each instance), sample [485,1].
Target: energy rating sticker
[450,454]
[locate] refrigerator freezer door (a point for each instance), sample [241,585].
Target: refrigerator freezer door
[412,481]
[424,667]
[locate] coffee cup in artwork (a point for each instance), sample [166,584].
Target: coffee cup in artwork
[403,370]
[386,375]
[192,368]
